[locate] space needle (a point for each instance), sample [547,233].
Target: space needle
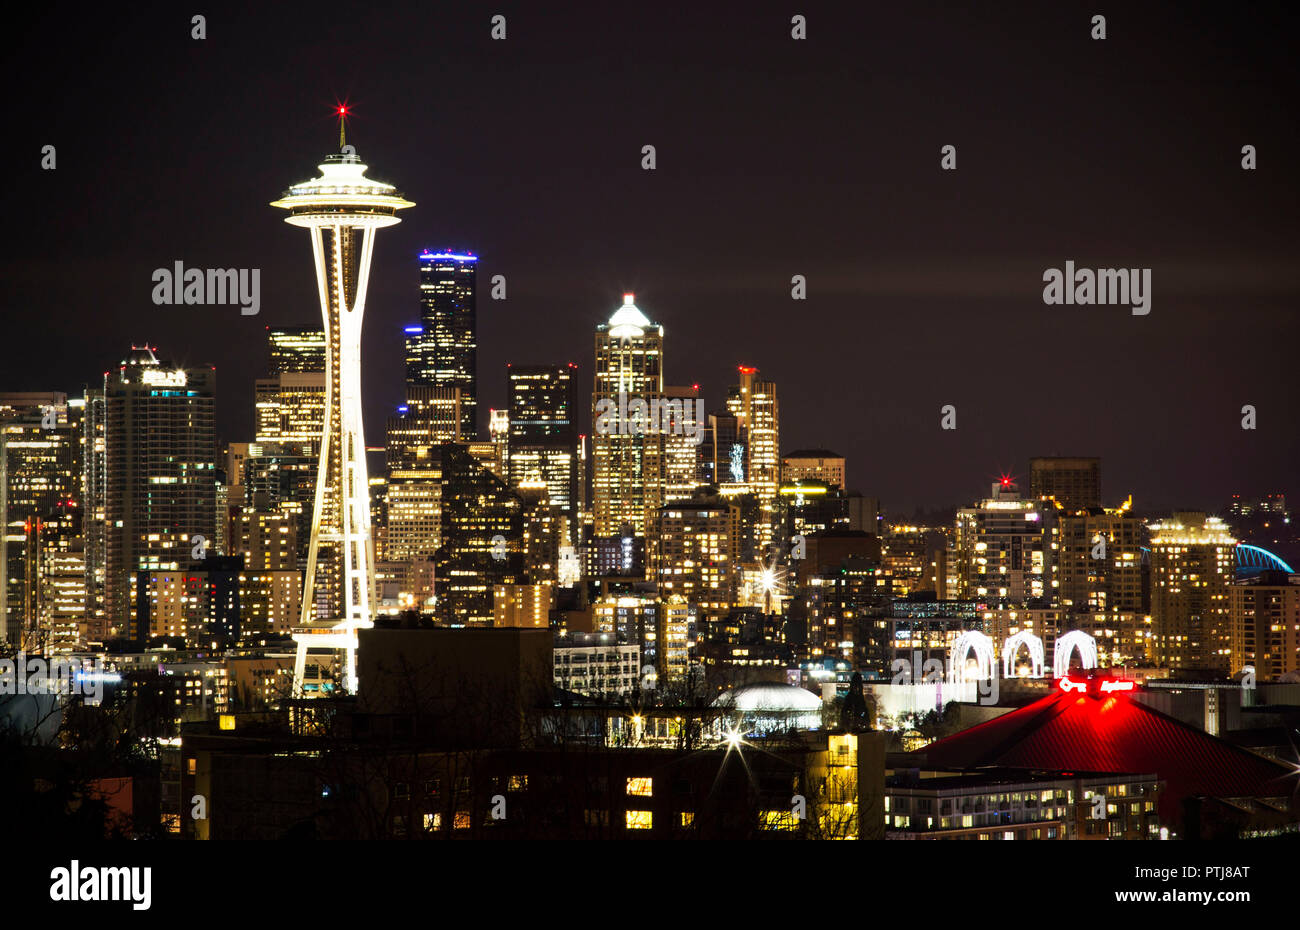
[341,209]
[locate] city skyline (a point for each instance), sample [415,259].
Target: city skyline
[913,281]
[772,424]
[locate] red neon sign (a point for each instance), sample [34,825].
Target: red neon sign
[1116,685]
[1102,685]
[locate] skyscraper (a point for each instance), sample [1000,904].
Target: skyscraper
[1099,570]
[160,468]
[342,210]
[753,403]
[1193,558]
[543,443]
[722,454]
[481,539]
[1100,562]
[278,470]
[1075,483]
[290,402]
[430,418]
[40,512]
[546,529]
[279,478]
[682,441]
[1004,548]
[813,464]
[94,484]
[296,348]
[443,350]
[1265,614]
[626,461]
[499,435]
[270,584]
[694,551]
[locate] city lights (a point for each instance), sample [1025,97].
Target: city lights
[767,431]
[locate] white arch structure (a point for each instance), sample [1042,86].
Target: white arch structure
[1066,643]
[983,647]
[1037,654]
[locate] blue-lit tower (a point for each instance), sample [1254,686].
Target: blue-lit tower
[442,351]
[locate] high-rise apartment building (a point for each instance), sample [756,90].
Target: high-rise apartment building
[160,474]
[681,441]
[813,465]
[1100,580]
[1264,506]
[442,351]
[276,478]
[296,348]
[289,403]
[1264,613]
[846,608]
[811,506]
[663,628]
[192,607]
[543,430]
[94,485]
[522,605]
[906,554]
[481,539]
[754,405]
[277,471]
[61,604]
[1193,559]
[546,532]
[40,508]
[722,454]
[430,418]
[1075,483]
[1004,547]
[1099,566]
[488,454]
[693,552]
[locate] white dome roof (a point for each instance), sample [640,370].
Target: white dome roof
[770,697]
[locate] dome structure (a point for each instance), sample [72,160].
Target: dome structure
[770,707]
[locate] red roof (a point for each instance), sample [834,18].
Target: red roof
[1071,732]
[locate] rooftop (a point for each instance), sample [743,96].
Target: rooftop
[628,321]
[812,454]
[1072,732]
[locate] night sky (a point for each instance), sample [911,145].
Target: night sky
[775,157]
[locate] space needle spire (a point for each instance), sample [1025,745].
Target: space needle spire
[341,209]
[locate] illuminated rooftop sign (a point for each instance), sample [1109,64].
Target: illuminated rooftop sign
[1095,685]
[427,255]
[165,378]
